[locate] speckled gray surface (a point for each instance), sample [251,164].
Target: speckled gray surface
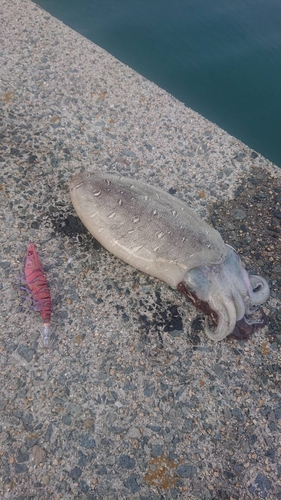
[131,401]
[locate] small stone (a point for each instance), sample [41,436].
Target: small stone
[271,453]
[157,451]
[238,468]
[175,333]
[228,171]
[219,371]
[54,161]
[66,419]
[148,391]
[110,460]
[277,214]
[3,404]
[89,424]
[155,428]
[20,468]
[187,425]
[18,413]
[186,470]
[116,429]
[240,156]
[237,414]
[261,486]
[277,413]
[75,473]
[134,433]
[5,264]
[131,483]
[22,457]
[26,352]
[252,438]
[128,152]
[32,159]
[39,454]
[239,214]
[129,387]
[126,462]
[83,486]
[87,441]
[49,433]
[27,420]
[82,459]
[31,440]
[102,471]
[45,480]
[74,409]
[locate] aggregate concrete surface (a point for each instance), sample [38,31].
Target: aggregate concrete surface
[131,401]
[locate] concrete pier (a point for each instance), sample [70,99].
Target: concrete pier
[131,401]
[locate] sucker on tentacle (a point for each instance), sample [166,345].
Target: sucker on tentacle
[159,235]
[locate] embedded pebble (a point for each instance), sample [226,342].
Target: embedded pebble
[134,433]
[75,473]
[126,462]
[239,214]
[3,404]
[83,486]
[87,441]
[157,451]
[132,484]
[39,455]
[261,486]
[26,352]
[22,457]
[20,468]
[186,470]
[45,480]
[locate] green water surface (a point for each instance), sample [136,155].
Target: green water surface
[222,58]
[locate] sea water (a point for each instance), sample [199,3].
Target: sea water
[222,58]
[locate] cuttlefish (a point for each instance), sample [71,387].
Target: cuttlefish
[160,235]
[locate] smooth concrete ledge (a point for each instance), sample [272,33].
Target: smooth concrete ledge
[132,401]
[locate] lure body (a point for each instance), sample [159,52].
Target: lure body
[39,289]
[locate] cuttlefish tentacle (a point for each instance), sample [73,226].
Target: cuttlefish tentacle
[226,314]
[260,289]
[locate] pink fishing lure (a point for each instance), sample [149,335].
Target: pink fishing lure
[39,289]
